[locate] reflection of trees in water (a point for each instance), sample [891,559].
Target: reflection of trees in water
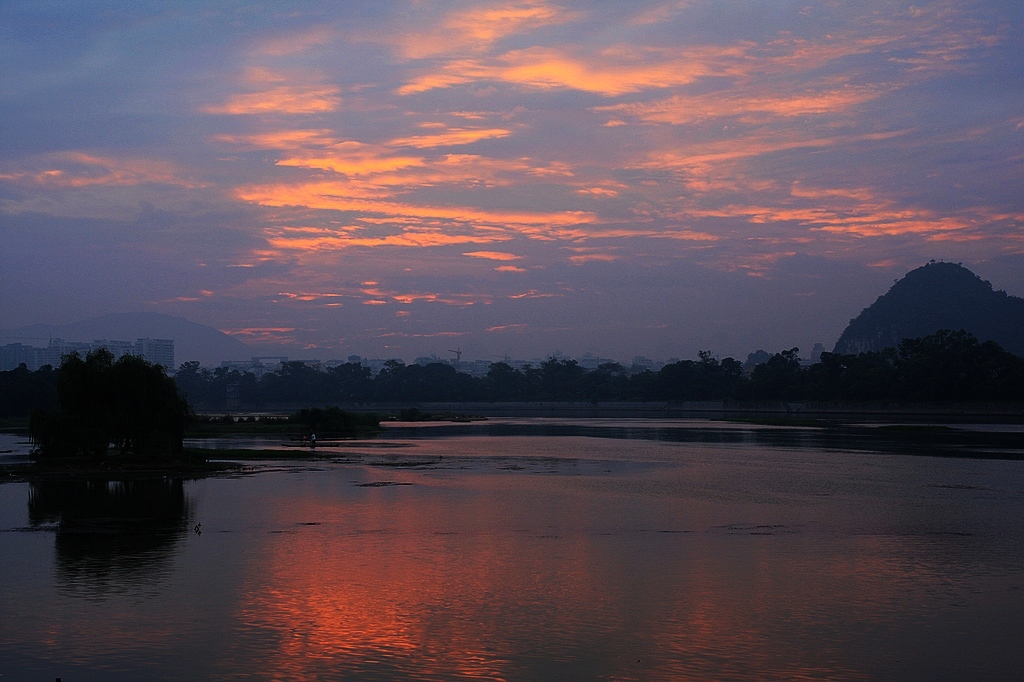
[111,535]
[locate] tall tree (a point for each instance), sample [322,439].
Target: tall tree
[130,405]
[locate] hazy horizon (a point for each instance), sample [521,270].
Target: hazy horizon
[509,178]
[93,330]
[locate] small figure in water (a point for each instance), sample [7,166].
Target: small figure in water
[312,441]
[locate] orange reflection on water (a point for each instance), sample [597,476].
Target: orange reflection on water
[544,565]
[395,588]
[520,576]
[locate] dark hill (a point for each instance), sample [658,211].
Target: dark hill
[933,297]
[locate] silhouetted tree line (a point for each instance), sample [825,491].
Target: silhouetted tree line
[949,366]
[22,391]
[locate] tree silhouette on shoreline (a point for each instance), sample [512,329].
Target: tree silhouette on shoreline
[128,408]
[949,366]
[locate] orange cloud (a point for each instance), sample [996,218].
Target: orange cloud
[379,296]
[553,168]
[375,171]
[709,158]
[407,335]
[747,105]
[598,192]
[533,293]
[333,196]
[450,137]
[492,255]
[685,235]
[410,238]
[798,189]
[82,169]
[477,27]
[487,24]
[400,192]
[284,99]
[471,169]
[579,235]
[309,296]
[620,69]
[588,257]
[351,158]
[264,334]
[378,166]
[861,219]
[286,139]
[893,223]
[614,71]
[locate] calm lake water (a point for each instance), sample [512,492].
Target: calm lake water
[526,550]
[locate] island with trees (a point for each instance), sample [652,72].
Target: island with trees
[99,415]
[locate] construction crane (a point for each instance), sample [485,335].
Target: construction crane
[458,354]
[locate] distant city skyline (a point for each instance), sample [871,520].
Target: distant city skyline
[516,177]
[12,355]
[13,352]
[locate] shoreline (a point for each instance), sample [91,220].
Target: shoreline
[1011,412]
[889,428]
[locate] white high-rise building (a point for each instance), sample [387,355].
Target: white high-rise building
[157,351]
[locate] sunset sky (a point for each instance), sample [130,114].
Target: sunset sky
[395,179]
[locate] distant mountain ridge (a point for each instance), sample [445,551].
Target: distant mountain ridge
[192,341]
[933,297]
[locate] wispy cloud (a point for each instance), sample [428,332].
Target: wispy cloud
[478,27]
[336,197]
[616,70]
[450,137]
[492,255]
[751,107]
[348,241]
[284,99]
[79,169]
